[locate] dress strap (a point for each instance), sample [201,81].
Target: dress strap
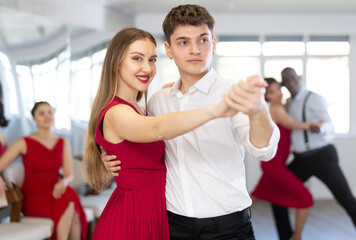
[306,138]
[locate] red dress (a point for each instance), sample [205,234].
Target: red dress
[41,174]
[2,148]
[136,209]
[278,185]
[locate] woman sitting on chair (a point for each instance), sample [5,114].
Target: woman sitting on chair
[46,194]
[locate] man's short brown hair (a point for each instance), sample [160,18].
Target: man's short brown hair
[189,14]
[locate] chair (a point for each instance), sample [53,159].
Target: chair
[18,230]
[96,202]
[15,174]
[24,231]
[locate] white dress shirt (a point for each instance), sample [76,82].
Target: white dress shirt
[205,169]
[316,109]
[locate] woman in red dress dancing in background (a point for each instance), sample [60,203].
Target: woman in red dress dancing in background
[46,194]
[278,185]
[137,208]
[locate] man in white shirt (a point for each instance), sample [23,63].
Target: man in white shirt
[314,153]
[206,185]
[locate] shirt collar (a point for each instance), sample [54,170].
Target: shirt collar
[301,93]
[175,88]
[202,85]
[206,82]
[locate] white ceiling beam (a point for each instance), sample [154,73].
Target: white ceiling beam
[89,14]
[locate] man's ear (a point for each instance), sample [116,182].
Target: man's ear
[168,50]
[214,44]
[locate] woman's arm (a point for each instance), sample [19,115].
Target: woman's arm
[16,149]
[123,123]
[10,155]
[280,116]
[67,163]
[61,185]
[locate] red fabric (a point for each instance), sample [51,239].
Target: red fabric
[279,185]
[2,148]
[137,207]
[41,174]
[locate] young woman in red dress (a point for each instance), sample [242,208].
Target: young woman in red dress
[278,185]
[137,207]
[46,194]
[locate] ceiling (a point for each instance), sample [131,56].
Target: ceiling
[238,6]
[17,26]
[22,23]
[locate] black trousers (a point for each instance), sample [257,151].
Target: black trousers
[322,163]
[234,226]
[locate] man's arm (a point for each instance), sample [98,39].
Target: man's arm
[261,127]
[253,125]
[248,97]
[319,109]
[111,164]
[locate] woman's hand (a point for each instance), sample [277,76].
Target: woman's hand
[222,109]
[314,127]
[3,188]
[168,85]
[248,96]
[59,189]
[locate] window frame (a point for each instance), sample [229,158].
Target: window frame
[304,58]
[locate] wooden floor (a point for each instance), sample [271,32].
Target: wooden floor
[327,221]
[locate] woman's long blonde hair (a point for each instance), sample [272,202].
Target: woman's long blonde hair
[98,177]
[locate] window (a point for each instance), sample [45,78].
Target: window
[26,88]
[238,68]
[238,57]
[85,72]
[327,73]
[7,74]
[322,61]
[47,80]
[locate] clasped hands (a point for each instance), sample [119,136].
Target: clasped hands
[314,127]
[247,96]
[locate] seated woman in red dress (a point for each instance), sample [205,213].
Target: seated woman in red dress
[46,194]
[137,207]
[278,185]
